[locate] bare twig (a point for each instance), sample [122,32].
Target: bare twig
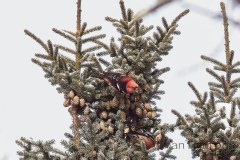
[78,46]
[79,16]
[226,33]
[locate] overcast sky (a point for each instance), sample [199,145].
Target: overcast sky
[31,107]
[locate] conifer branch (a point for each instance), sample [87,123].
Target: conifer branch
[213,61]
[76,138]
[79,42]
[79,11]
[226,33]
[212,138]
[66,49]
[182,14]
[38,40]
[167,154]
[63,34]
[199,96]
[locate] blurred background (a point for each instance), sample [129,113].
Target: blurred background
[31,107]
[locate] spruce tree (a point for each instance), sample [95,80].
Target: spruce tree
[112,103]
[213,133]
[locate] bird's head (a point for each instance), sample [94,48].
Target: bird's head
[131,86]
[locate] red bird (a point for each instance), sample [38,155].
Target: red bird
[122,83]
[127,84]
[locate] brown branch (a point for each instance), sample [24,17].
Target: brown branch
[79,16]
[78,45]
[226,33]
[76,138]
[73,109]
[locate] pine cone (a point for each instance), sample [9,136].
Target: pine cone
[139,112]
[97,125]
[122,115]
[107,105]
[114,102]
[154,114]
[218,146]
[233,158]
[73,109]
[110,129]
[126,130]
[213,147]
[215,158]
[86,110]
[144,113]
[149,115]
[75,100]
[71,94]
[94,154]
[82,102]
[158,137]
[67,103]
[103,115]
[148,106]
[102,125]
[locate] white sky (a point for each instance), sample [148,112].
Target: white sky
[31,107]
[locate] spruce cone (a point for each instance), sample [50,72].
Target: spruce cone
[122,115]
[213,147]
[71,94]
[218,146]
[86,110]
[73,109]
[126,130]
[158,137]
[139,112]
[103,115]
[148,106]
[67,103]
[82,102]
[110,129]
[75,100]
[107,105]
[114,102]
[154,114]
[149,115]
[94,154]
[144,113]
[233,158]
[102,125]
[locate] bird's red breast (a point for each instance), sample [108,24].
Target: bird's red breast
[131,86]
[127,84]
[123,83]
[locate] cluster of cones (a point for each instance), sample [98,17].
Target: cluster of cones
[137,117]
[211,151]
[76,103]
